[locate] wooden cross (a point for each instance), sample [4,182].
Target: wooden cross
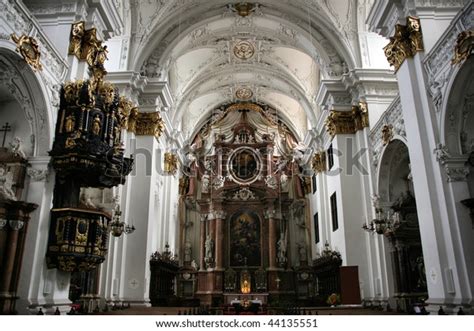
[6,128]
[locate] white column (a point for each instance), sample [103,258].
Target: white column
[448,273]
[324,212]
[110,275]
[38,285]
[378,262]
[137,246]
[352,202]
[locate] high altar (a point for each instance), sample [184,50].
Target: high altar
[244,218]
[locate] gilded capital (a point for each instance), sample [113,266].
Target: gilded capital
[348,122]
[149,124]
[405,43]
[340,122]
[319,162]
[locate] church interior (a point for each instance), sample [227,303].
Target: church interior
[229,157]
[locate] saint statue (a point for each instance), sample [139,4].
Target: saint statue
[187,251]
[205,183]
[420,269]
[302,253]
[281,246]
[77,33]
[284,182]
[69,125]
[183,185]
[376,201]
[117,135]
[209,247]
[194,265]
[86,201]
[96,126]
[101,55]
[15,145]
[6,185]
[97,57]
[271,181]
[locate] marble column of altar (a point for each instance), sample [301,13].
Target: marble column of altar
[272,271]
[202,243]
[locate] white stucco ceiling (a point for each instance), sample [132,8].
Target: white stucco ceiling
[291,45]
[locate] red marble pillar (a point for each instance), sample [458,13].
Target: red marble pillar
[271,240]
[8,270]
[219,239]
[202,251]
[212,232]
[3,242]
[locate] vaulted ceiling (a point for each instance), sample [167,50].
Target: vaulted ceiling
[211,53]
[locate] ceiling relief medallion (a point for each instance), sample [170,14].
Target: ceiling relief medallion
[243,93]
[244,50]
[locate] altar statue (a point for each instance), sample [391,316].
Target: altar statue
[6,185]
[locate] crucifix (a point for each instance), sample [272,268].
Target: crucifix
[6,128]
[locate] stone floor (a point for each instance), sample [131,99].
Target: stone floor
[308,311]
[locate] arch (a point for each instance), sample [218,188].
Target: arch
[295,46]
[394,157]
[29,91]
[181,22]
[275,82]
[457,116]
[397,218]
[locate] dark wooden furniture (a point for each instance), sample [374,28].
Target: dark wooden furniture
[164,269]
